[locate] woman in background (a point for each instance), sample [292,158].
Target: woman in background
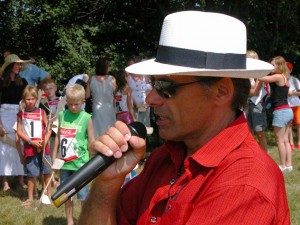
[282,114]
[101,87]
[12,86]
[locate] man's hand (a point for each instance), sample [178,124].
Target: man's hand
[115,143]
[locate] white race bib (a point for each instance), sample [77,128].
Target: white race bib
[68,144]
[32,125]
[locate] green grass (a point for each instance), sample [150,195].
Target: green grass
[292,179]
[12,213]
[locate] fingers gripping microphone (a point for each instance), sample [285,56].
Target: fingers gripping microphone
[90,170]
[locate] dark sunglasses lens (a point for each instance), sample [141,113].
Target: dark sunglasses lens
[165,89]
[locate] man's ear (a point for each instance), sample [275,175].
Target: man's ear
[223,91]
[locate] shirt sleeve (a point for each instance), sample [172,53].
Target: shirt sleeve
[129,205]
[39,74]
[19,114]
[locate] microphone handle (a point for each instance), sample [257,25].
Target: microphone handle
[91,169]
[80,178]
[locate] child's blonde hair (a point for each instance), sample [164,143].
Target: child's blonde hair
[75,92]
[252,54]
[280,62]
[30,90]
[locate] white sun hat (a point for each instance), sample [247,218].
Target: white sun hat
[202,44]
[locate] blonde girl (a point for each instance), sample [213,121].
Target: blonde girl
[31,128]
[282,114]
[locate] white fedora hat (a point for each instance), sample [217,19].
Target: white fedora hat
[202,44]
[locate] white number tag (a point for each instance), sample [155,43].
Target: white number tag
[68,144]
[32,125]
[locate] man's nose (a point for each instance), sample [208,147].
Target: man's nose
[153,98]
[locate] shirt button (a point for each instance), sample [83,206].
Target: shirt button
[153,219]
[172,181]
[169,207]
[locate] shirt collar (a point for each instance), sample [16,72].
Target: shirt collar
[211,154]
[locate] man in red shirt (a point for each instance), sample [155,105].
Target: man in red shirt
[210,169]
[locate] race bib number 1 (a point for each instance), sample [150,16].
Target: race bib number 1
[32,124]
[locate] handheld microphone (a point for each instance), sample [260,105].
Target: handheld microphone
[90,170]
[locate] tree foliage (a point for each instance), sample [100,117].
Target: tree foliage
[68,36]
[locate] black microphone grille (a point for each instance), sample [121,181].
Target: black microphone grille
[138,129]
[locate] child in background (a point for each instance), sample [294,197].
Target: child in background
[123,99]
[31,128]
[50,88]
[75,133]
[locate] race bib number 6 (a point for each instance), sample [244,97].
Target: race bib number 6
[68,144]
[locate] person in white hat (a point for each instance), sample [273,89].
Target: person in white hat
[12,86]
[210,170]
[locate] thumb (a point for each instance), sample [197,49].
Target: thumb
[137,143]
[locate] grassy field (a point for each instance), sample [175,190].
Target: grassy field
[11,212]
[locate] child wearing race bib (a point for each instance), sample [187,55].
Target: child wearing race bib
[31,128]
[75,133]
[51,108]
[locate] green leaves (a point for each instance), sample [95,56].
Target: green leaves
[69,36]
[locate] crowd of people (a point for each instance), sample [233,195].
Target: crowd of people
[36,122]
[208,102]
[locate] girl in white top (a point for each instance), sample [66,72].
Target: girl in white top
[140,87]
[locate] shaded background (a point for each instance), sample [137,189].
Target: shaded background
[67,36]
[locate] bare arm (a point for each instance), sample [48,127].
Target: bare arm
[254,91]
[100,207]
[297,93]
[275,78]
[130,103]
[115,84]
[91,137]
[2,130]
[55,147]
[19,149]
[88,89]
[48,130]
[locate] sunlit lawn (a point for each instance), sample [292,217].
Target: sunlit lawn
[12,213]
[292,179]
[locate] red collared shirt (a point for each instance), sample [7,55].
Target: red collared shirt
[230,180]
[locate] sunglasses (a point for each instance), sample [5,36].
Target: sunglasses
[167,89]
